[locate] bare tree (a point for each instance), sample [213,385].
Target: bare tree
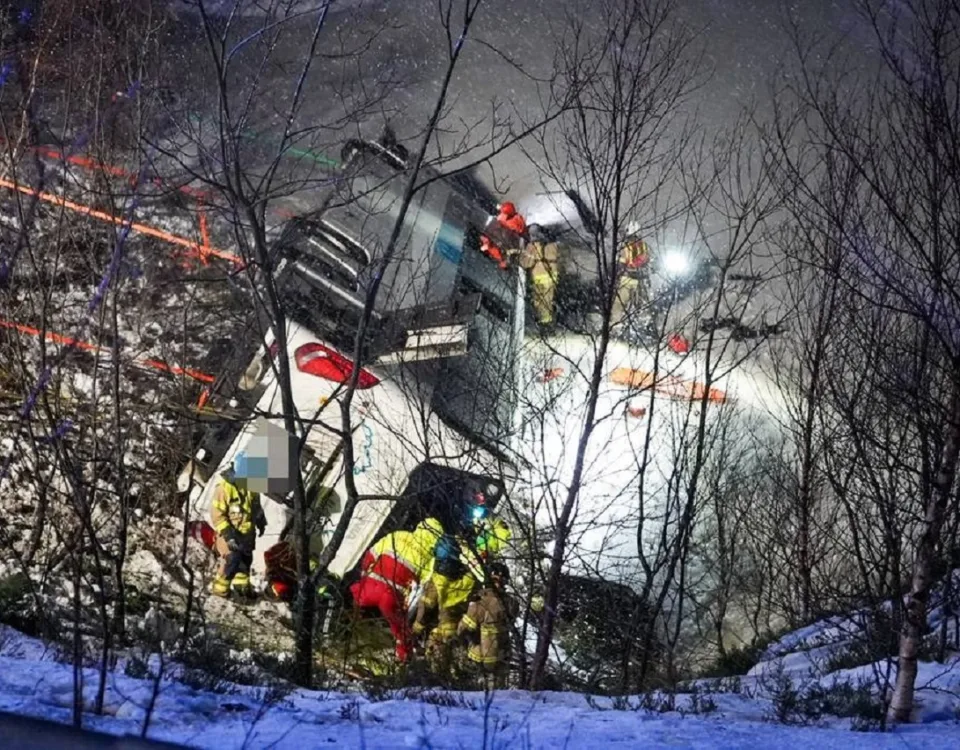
[888,135]
[252,183]
[616,146]
[66,281]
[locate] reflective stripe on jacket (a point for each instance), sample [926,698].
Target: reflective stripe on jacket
[236,507]
[488,615]
[634,254]
[403,557]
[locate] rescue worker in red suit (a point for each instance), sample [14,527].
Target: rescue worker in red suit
[390,570]
[514,223]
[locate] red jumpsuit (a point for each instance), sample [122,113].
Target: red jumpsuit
[390,568]
[510,220]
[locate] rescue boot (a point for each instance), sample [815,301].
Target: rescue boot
[242,588]
[244,594]
[546,328]
[220,587]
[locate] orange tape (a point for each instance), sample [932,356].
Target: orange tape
[103,216]
[87,163]
[83,161]
[156,364]
[173,369]
[668,385]
[204,397]
[204,236]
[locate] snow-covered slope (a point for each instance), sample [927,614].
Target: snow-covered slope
[33,682]
[831,651]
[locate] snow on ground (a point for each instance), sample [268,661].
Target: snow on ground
[818,655]
[34,683]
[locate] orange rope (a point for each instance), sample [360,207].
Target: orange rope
[156,364]
[103,216]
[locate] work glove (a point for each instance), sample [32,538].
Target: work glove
[232,538]
[261,527]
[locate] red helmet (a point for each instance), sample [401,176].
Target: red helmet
[508,208]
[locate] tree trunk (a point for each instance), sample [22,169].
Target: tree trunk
[552,590]
[915,609]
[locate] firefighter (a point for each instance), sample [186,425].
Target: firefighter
[541,259]
[280,570]
[234,514]
[516,231]
[492,533]
[486,626]
[390,570]
[280,561]
[633,283]
[446,593]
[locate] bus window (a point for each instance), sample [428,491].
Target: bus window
[475,394]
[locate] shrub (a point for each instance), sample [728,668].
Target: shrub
[350,710]
[211,666]
[17,606]
[447,700]
[735,661]
[739,660]
[136,602]
[808,704]
[137,668]
[658,702]
[701,702]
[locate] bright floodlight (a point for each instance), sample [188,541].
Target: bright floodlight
[676,263]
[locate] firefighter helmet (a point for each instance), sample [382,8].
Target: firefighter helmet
[499,573]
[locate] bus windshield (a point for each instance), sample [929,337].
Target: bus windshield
[437,258]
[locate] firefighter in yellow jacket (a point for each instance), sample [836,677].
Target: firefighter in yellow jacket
[456,570]
[487,626]
[446,591]
[235,514]
[633,293]
[542,260]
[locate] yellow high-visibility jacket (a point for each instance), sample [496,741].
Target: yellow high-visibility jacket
[493,536]
[414,549]
[450,592]
[634,254]
[235,507]
[424,542]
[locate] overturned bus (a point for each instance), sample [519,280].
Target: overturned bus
[431,419]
